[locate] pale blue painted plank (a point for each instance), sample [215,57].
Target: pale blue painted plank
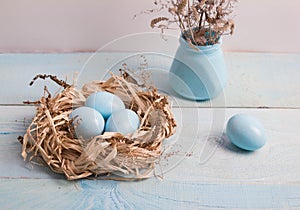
[194,146]
[255,79]
[17,70]
[147,194]
[166,194]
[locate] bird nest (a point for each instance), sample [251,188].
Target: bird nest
[51,136]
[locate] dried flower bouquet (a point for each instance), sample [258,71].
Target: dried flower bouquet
[202,22]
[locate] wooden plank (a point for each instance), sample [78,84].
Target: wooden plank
[17,70]
[255,79]
[198,147]
[148,194]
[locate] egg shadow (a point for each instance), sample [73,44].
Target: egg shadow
[228,146]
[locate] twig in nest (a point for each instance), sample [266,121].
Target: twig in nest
[31,102]
[20,139]
[62,83]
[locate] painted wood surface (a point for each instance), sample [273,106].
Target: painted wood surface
[255,79]
[200,168]
[148,194]
[204,171]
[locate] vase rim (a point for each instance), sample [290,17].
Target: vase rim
[204,49]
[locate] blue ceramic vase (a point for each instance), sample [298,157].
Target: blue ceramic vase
[198,74]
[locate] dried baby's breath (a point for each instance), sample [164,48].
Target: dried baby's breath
[51,136]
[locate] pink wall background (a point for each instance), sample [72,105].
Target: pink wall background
[78,25]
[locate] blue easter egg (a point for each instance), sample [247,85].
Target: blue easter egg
[87,122]
[104,102]
[246,132]
[125,121]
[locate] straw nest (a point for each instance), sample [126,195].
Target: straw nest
[51,136]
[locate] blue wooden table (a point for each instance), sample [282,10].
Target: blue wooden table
[200,170]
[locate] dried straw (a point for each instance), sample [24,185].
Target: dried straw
[51,136]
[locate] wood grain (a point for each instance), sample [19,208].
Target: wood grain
[148,194]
